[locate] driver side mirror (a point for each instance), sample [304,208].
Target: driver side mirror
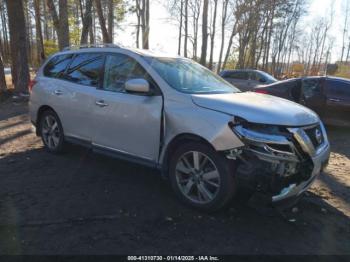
[262,80]
[137,85]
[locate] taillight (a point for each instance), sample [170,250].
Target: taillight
[261,91]
[31,84]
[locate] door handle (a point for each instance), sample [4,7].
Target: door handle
[101,103]
[58,92]
[334,100]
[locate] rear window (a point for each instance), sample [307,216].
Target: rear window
[86,69]
[57,66]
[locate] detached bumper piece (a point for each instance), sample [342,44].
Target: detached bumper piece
[280,162]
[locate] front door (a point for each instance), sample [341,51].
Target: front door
[127,123]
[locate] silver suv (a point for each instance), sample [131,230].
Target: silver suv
[171,113]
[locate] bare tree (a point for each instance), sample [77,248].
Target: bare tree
[186,28]
[86,20]
[138,15]
[3,86]
[345,28]
[39,34]
[105,35]
[195,11]
[143,16]
[204,33]
[180,27]
[60,21]
[223,23]
[111,19]
[212,35]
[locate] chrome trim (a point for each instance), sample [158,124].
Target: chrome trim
[303,140]
[260,137]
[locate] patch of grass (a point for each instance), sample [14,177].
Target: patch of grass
[343,71]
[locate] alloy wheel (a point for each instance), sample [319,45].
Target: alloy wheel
[50,132]
[197,177]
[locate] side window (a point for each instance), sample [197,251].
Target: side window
[239,75]
[118,69]
[311,87]
[57,65]
[86,69]
[257,77]
[338,88]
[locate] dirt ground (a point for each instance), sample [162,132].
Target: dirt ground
[84,203]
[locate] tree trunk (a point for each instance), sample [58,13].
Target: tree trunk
[348,53]
[64,26]
[3,86]
[60,21]
[180,28]
[229,45]
[212,36]
[111,19]
[146,28]
[39,34]
[223,22]
[87,21]
[18,38]
[204,33]
[105,34]
[186,28]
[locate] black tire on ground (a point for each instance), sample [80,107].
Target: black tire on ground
[227,188]
[60,145]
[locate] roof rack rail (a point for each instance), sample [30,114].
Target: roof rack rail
[76,47]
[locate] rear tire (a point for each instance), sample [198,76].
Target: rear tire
[201,177]
[51,132]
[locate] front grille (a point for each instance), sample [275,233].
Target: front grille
[315,135]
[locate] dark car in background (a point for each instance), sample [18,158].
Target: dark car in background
[329,97]
[247,79]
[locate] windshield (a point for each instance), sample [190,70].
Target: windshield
[189,77]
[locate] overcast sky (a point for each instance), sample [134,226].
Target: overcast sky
[164,32]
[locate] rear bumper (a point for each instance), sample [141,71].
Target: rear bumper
[320,161]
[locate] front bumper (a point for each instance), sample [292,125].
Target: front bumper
[280,163]
[293,191]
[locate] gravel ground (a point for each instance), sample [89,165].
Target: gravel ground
[84,203]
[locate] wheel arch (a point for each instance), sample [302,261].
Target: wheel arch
[41,110]
[174,143]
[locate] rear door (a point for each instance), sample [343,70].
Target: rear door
[313,95]
[83,76]
[127,123]
[338,102]
[55,88]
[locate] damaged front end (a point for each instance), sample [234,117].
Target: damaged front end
[278,161]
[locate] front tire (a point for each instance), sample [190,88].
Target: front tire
[201,177]
[51,132]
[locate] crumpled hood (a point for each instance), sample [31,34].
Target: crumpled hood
[258,108]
